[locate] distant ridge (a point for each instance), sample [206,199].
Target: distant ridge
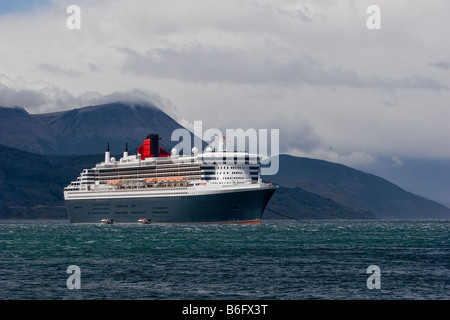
[31,185]
[21,130]
[86,130]
[355,189]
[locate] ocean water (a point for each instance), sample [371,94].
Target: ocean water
[277,260]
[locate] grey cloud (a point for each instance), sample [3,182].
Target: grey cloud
[10,97]
[304,14]
[60,71]
[301,14]
[296,132]
[135,96]
[441,65]
[413,82]
[51,98]
[270,66]
[388,103]
[94,68]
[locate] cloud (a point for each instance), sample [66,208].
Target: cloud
[276,66]
[296,132]
[353,159]
[137,96]
[310,68]
[60,71]
[300,12]
[441,65]
[93,68]
[10,97]
[45,98]
[388,103]
[397,161]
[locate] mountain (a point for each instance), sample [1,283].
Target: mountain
[85,130]
[429,178]
[21,130]
[31,185]
[355,189]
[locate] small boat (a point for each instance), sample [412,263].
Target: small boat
[144,221]
[107,221]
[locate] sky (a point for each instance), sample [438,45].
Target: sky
[336,89]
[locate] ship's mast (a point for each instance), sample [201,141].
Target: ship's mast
[221,144]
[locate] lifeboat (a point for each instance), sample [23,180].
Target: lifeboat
[114,181]
[144,221]
[107,221]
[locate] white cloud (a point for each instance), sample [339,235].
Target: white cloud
[241,66]
[10,97]
[397,161]
[41,98]
[311,69]
[60,71]
[440,64]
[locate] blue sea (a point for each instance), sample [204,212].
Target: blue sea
[277,260]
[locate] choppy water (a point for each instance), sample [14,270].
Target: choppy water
[276,260]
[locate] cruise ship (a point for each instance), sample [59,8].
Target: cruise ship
[158,187]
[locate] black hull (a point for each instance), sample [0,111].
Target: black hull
[227,207]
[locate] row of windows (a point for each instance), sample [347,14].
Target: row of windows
[226,178]
[121,172]
[237,167]
[154,175]
[153,169]
[230,157]
[235,173]
[149,167]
